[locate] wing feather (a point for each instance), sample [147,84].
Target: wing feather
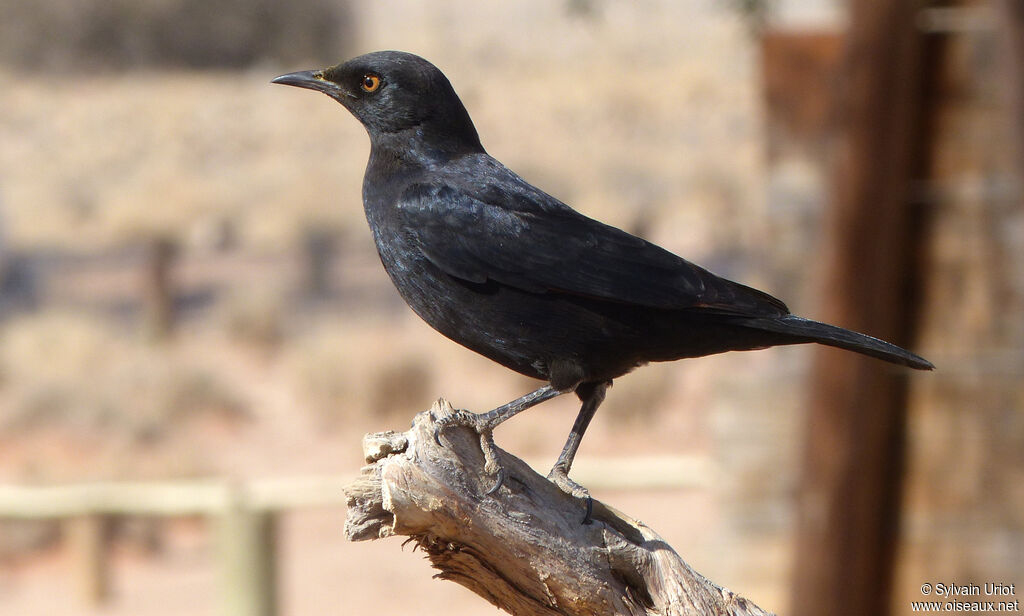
[526,239]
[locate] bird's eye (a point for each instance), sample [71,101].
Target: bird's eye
[370,82]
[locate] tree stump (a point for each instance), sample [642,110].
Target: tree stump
[524,548]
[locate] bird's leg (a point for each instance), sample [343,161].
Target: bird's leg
[559,474]
[484,424]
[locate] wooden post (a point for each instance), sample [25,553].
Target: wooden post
[319,246]
[850,495]
[524,548]
[247,553]
[798,71]
[87,538]
[158,291]
[1011,20]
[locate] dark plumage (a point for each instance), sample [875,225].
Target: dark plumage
[516,275]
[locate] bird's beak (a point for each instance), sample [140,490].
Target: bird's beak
[313,80]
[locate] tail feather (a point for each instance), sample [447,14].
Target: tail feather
[830,335]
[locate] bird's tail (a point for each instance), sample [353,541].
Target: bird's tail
[823,333]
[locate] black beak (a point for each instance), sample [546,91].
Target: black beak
[313,80]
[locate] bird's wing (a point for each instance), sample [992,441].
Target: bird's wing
[526,239]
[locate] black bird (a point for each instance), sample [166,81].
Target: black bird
[508,271]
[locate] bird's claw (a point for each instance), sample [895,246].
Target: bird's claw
[560,478]
[479,425]
[497,482]
[587,519]
[457,418]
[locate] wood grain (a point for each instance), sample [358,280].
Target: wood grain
[524,549]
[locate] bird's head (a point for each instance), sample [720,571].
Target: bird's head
[394,92]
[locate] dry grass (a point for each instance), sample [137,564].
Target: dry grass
[79,392]
[611,127]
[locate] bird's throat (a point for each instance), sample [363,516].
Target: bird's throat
[416,147]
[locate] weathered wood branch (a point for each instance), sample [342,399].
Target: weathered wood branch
[524,548]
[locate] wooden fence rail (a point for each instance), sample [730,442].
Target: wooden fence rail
[242,514]
[244,517]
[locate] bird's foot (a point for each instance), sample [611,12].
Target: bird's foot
[483,425]
[560,477]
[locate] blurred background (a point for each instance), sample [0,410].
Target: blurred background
[189,292]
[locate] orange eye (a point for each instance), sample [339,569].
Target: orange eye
[370,83]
